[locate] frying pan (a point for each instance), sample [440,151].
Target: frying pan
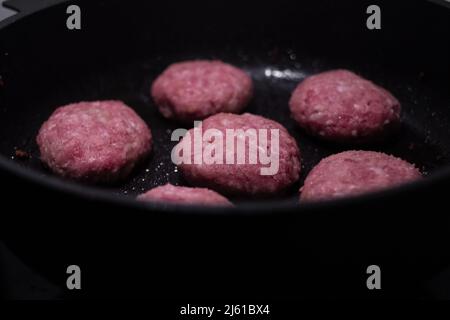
[122,47]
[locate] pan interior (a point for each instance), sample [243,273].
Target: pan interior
[110,60]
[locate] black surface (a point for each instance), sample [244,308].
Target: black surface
[19,282]
[106,60]
[293,253]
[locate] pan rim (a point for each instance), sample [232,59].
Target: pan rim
[253,208]
[88,192]
[24,12]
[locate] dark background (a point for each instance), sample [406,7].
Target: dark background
[128,251]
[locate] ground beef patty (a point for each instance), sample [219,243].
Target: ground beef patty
[244,178]
[184,195]
[355,172]
[341,106]
[94,141]
[194,90]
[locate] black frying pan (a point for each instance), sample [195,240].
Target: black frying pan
[122,47]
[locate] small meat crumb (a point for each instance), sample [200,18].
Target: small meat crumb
[21,154]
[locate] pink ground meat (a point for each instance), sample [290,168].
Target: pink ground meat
[341,106]
[184,195]
[355,172]
[99,141]
[193,90]
[245,178]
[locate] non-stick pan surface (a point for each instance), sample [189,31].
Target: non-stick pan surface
[115,56]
